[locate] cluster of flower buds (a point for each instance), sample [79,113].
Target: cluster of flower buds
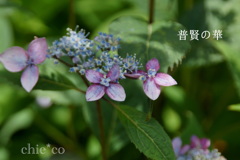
[198,149]
[83,53]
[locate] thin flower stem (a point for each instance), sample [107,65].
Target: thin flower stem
[72,18]
[84,79]
[70,127]
[149,115]
[150,22]
[151,11]
[101,129]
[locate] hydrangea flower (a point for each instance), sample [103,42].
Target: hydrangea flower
[152,81]
[105,84]
[198,149]
[17,59]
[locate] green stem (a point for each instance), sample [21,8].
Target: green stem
[150,22]
[112,127]
[149,115]
[84,79]
[151,11]
[70,127]
[101,129]
[72,19]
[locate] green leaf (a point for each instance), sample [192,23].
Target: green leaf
[232,56]
[163,9]
[12,101]
[165,44]
[203,54]
[148,136]
[158,40]
[9,77]
[57,81]
[17,121]
[6,37]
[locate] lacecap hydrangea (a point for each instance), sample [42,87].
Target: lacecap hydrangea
[98,57]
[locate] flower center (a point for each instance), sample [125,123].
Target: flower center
[151,73]
[105,81]
[142,78]
[30,62]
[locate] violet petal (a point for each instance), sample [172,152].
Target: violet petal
[114,73]
[153,64]
[95,92]
[93,76]
[29,77]
[163,79]
[135,75]
[37,50]
[14,59]
[151,89]
[184,149]
[116,92]
[205,143]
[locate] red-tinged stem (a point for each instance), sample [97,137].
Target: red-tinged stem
[70,65]
[101,129]
[84,79]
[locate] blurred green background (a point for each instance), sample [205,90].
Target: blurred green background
[205,102]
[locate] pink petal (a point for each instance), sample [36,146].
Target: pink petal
[135,75]
[93,76]
[14,59]
[116,92]
[195,142]
[163,79]
[95,92]
[153,64]
[151,89]
[30,77]
[37,50]
[114,73]
[205,143]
